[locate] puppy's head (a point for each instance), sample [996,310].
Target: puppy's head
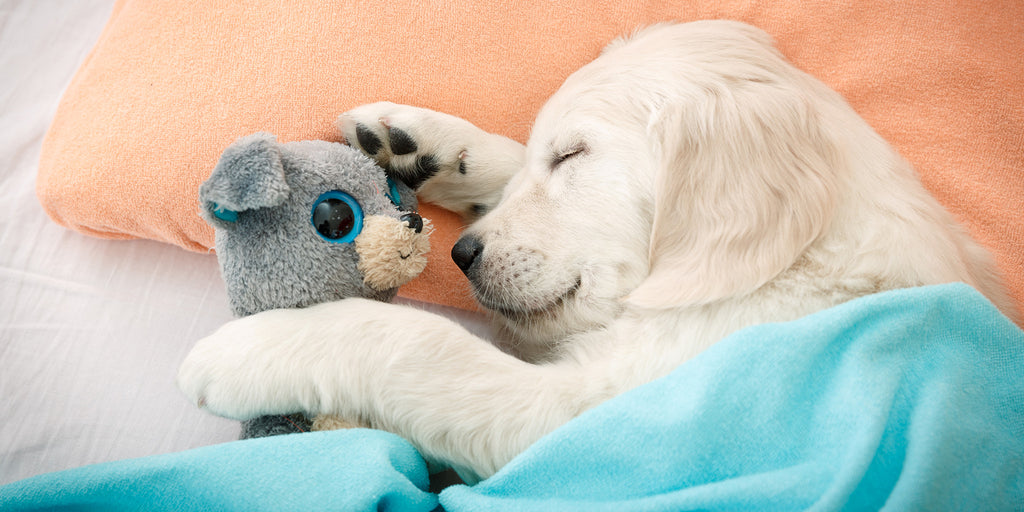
[681,167]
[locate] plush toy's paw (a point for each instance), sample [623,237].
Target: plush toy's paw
[332,422]
[447,160]
[275,425]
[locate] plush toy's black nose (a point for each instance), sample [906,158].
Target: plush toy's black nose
[465,252]
[414,220]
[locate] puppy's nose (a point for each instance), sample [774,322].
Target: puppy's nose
[414,220]
[465,252]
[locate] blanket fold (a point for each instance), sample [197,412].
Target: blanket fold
[906,400]
[344,470]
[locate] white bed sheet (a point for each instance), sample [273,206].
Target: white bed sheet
[91,331]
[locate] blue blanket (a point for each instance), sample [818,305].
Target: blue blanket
[907,400]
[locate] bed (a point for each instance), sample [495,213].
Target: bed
[91,328]
[106,279]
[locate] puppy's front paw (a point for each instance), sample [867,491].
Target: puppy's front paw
[226,374]
[447,160]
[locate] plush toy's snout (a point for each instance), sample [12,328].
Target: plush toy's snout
[414,221]
[393,251]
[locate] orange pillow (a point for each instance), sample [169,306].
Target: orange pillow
[169,85]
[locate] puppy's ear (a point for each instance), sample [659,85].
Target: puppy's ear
[248,176]
[745,185]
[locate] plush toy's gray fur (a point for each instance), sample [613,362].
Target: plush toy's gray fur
[270,254]
[266,426]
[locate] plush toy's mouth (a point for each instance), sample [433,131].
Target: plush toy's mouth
[404,256]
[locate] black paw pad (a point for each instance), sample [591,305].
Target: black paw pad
[369,141]
[426,166]
[401,142]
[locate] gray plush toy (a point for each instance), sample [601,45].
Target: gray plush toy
[302,223]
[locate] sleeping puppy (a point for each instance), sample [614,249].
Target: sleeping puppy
[687,183]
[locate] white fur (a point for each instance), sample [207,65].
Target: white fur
[454,143]
[709,186]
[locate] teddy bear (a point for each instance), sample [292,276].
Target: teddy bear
[306,222]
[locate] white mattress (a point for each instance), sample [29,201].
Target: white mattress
[91,331]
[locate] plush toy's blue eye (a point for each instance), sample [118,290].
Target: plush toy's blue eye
[337,216]
[393,194]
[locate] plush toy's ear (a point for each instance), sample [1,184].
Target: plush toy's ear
[248,176]
[746,183]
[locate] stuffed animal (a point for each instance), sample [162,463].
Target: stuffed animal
[306,222]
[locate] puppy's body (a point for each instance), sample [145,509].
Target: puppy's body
[687,183]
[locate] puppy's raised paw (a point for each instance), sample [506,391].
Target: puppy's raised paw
[414,143]
[447,160]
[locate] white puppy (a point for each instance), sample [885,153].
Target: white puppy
[685,184]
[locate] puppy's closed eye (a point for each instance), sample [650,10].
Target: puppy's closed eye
[575,150]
